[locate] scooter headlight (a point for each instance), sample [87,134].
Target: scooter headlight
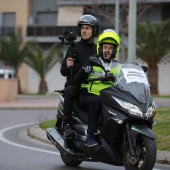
[151,110]
[132,109]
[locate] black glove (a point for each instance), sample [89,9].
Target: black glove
[87,67]
[108,77]
[71,52]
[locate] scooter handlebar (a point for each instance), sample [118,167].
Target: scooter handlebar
[106,77]
[59,91]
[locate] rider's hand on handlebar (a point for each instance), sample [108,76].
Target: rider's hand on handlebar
[70,62]
[108,77]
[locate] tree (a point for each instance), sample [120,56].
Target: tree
[42,62]
[104,10]
[153,42]
[12,53]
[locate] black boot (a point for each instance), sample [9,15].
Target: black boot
[68,131]
[90,141]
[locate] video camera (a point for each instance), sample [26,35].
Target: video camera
[68,38]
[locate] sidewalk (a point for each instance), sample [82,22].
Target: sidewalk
[51,102]
[32,102]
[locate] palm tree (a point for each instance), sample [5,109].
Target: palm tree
[153,42]
[12,53]
[42,62]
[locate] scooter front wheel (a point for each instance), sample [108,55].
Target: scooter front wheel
[68,159]
[145,155]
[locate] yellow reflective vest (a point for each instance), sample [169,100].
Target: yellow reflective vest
[96,86]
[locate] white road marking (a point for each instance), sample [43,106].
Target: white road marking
[3,139]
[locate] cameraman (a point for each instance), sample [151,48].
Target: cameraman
[88,28]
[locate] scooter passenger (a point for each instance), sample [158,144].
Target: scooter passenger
[88,28]
[107,51]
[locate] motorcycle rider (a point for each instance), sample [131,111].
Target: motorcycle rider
[107,51]
[88,28]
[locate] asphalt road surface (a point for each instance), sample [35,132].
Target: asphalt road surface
[19,152]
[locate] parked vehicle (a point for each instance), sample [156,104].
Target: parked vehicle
[125,133]
[7,72]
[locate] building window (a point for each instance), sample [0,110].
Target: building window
[166,11]
[47,18]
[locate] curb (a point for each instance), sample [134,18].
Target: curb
[37,133]
[163,157]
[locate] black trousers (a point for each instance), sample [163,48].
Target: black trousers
[91,103]
[70,95]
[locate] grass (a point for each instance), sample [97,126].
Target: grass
[157,96]
[47,124]
[161,129]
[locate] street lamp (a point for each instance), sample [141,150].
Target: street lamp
[117,16]
[132,32]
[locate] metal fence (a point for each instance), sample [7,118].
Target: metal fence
[44,31]
[54,30]
[6,31]
[49,30]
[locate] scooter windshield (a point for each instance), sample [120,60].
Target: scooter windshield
[133,79]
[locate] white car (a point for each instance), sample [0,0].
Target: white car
[7,72]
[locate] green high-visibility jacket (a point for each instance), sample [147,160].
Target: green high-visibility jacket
[96,86]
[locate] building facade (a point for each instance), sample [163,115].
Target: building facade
[43,20]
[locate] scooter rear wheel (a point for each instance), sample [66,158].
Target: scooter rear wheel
[68,159]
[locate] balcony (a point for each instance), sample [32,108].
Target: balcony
[6,31]
[44,31]
[47,33]
[49,30]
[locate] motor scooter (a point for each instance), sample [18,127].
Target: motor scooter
[124,134]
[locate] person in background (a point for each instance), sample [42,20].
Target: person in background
[107,52]
[88,28]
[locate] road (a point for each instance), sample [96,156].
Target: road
[19,152]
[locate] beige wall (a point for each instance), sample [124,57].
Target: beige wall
[23,76]
[22,10]
[55,81]
[163,76]
[8,90]
[69,15]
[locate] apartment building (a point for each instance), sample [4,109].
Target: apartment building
[44,20]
